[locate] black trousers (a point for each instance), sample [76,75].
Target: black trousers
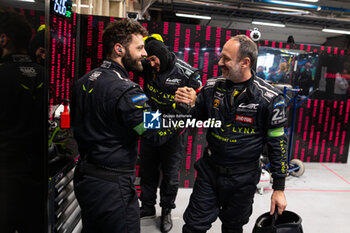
[107,207]
[228,197]
[167,158]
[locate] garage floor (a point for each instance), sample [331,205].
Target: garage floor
[321,196]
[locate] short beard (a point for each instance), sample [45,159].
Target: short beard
[131,64]
[235,74]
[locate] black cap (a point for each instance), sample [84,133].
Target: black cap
[158,49]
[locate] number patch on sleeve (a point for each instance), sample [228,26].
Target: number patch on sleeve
[279,116]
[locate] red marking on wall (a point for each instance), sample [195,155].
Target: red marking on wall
[326,120]
[311,136]
[296,149]
[337,134]
[300,119]
[208,33]
[322,150]
[329,49]
[321,112]
[328,154]
[302,154]
[165,28]
[306,126]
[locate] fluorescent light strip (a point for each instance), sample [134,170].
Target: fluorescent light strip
[297,4]
[336,31]
[286,9]
[269,24]
[26,0]
[193,16]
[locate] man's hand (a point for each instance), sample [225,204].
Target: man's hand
[278,199]
[185,95]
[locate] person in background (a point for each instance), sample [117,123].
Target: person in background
[107,111]
[304,79]
[252,113]
[163,74]
[282,76]
[260,72]
[272,75]
[22,126]
[341,86]
[37,46]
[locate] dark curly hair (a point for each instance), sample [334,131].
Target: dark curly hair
[121,32]
[15,27]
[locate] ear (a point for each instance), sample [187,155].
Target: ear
[118,49]
[245,62]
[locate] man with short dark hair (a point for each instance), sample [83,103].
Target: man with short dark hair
[22,129]
[107,112]
[252,113]
[260,72]
[163,74]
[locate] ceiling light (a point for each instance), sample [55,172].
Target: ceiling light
[297,4]
[27,0]
[269,24]
[336,31]
[309,0]
[193,16]
[286,9]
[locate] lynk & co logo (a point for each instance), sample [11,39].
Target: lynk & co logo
[151,120]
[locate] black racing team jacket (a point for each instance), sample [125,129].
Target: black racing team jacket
[107,117]
[22,115]
[255,118]
[160,88]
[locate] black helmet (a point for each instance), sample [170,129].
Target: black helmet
[288,222]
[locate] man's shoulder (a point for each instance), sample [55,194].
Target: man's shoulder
[185,68]
[264,90]
[24,69]
[110,78]
[214,82]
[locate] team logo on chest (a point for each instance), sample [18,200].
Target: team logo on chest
[218,97]
[216,103]
[175,81]
[248,107]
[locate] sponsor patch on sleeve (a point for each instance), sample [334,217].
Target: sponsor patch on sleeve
[244,119]
[279,103]
[138,98]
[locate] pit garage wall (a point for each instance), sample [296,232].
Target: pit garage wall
[321,133]
[62,57]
